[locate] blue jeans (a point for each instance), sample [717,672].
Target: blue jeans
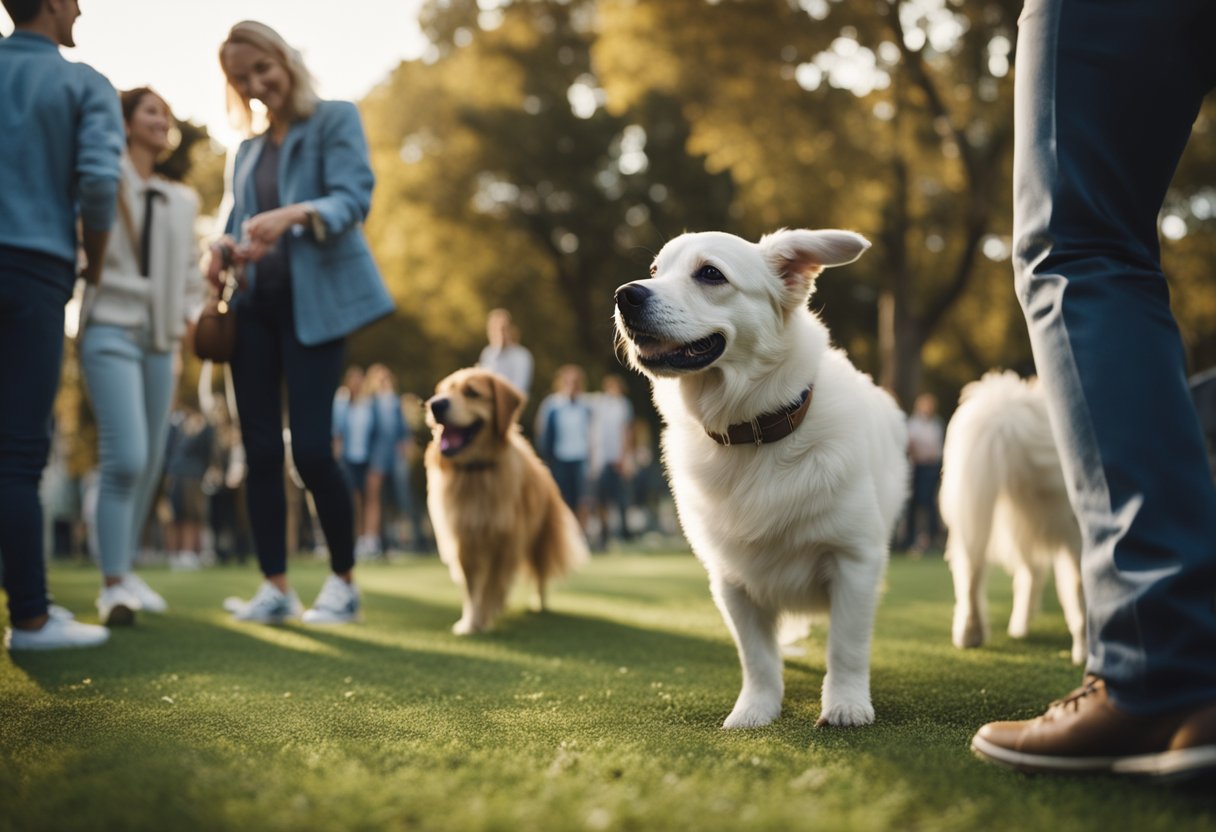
[32,296]
[1105,99]
[922,501]
[131,386]
[268,357]
[571,476]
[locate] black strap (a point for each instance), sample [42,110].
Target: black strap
[145,233]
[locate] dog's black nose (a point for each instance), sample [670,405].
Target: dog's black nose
[439,407]
[632,296]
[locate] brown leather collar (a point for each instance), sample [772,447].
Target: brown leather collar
[767,427]
[479,465]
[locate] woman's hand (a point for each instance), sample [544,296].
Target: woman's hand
[261,231]
[221,255]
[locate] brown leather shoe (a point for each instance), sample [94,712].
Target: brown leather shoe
[1085,732]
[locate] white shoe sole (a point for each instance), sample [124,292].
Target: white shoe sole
[1170,765]
[320,621]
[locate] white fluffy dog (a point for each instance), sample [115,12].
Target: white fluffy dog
[788,465]
[1003,500]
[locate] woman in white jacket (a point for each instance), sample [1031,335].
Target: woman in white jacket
[132,323]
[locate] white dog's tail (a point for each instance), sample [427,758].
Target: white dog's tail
[996,430]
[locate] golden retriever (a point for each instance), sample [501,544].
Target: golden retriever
[493,503]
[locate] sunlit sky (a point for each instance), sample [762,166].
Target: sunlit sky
[172,45]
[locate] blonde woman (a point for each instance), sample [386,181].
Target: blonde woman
[133,321]
[301,188]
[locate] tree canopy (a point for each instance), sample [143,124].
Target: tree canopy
[541,152]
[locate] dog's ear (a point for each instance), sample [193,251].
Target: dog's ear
[799,255]
[508,401]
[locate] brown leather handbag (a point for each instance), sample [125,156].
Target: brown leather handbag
[215,331]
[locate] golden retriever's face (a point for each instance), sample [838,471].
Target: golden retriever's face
[472,412]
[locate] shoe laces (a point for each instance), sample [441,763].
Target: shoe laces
[1072,701]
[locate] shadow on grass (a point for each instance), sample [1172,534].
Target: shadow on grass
[407,651]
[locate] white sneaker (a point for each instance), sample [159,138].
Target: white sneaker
[185,561]
[56,634]
[116,606]
[149,599]
[62,613]
[367,548]
[269,606]
[337,603]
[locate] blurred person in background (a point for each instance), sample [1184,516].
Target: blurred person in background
[388,434]
[612,457]
[563,433]
[190,449]
[411,505]
[926,438]
[503,354]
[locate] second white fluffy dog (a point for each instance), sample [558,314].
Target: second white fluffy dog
[788,465]
[1004,501]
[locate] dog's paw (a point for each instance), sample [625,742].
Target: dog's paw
[846,715]
[752,713]
[465,627]
[968,634]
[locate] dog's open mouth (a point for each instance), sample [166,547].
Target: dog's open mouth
[660,354]
[455,438]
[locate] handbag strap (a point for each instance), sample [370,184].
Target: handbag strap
[231,284]
[128,224]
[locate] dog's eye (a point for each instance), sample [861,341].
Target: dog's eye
[470,393]
[653,269]
[709,274]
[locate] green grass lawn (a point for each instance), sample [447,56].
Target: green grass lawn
[601,714]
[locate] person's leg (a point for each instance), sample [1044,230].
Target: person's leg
[566,473]
[112,365]
[924,494]
[313,374]
[31,351]
[1105,101]
[257,370]
[932,518]
[372,507]
[908,540]
[158,385]
[622,504]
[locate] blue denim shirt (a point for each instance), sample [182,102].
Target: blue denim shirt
[61,138]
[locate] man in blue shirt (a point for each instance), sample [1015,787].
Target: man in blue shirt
[61,137]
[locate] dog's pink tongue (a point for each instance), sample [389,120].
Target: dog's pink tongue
[451,439]
[657,348]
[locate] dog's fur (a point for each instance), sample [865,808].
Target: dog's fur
[790,527]
[1003,500]
[494,505]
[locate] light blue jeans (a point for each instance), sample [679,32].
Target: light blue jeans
[130,385]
